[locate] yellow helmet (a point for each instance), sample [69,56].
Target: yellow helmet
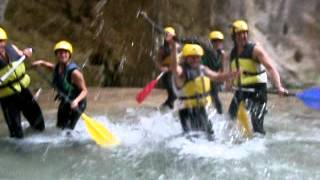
[192,50]
[240,25]
[216,35]
[3,34]
[170,30]
[65,45]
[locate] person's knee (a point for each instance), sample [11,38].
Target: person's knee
[38,123]
[40,127]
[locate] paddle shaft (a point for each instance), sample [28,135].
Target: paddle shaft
[6,75]
[66,98]
[237,60]
[154,25]
[243,89]
[151,22]
[160,75]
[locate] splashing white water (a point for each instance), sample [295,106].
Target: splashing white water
[158,128]
[154,128]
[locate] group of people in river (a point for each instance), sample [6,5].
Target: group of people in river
[15,97]
[195,71]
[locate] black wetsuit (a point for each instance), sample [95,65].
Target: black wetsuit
[19,102]
[167,79]
[256,101]
[213,59]
[67,92]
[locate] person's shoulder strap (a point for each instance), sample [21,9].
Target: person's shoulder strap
[69,69]
[11,52]
[72,66]
[249,49]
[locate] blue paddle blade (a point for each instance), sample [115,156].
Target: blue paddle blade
[310,97]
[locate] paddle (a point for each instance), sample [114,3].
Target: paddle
[155,26]
[150,21]
[14,67]
[244,120]
[148,88]
[242,114]
[100,134]
[310,97]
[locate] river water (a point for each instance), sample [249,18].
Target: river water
[152,148]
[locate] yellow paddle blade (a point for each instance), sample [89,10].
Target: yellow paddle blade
[244,120]
[101,135]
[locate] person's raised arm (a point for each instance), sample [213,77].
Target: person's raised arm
[43,63]
[260,55]
[27,51]
[175,67]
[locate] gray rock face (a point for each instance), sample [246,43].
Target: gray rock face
[288,29]
[3,5]
[109,34]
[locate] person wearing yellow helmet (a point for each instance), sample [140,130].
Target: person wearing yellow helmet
[163,61]
[254,63]
[15,97]
[193,80]
[70,84]
[215,59]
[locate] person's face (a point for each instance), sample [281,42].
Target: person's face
[217,43]
[242,38]
[169,37]
[63,56]
[193,61]
[2,45]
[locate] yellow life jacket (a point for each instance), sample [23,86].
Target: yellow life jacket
[15,82]
[253,71]
[196,92]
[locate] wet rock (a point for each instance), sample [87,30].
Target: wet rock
[97,28]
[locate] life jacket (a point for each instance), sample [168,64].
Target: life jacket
[253,71]
[63,81]
[196,89]
[18,79]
